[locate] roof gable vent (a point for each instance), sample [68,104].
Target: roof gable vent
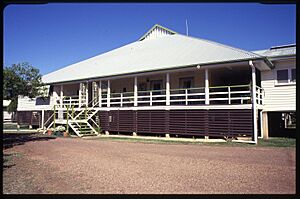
[157,31]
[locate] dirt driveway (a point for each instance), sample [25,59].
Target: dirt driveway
[74,165]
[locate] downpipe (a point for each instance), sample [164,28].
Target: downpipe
[254,102]
[254,141]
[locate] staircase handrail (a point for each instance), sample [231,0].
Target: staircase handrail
[53,109]
[94,122]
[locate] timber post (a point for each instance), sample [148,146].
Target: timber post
[85,113]
[67,118]
[54,116]
[73,112]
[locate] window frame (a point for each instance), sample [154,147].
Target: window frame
[159,81]
[182,79]
[295,75]
[289,82]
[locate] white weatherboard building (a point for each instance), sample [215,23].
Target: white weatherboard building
[171,84]
[279,86]
[7,117]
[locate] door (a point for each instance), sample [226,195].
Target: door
[187,82]
[156,85]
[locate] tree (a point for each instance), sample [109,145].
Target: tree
[20,79]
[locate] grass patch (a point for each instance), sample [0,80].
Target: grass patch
[9,126]
[140,140]
[14,126]
[271,142]
[8,159]
[277,142]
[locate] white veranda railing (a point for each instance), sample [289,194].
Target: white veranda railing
[237,94]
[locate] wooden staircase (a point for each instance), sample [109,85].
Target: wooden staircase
[81,122]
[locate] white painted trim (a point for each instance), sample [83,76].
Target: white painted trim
[108,93]
[61,94]
[100,93]
[168,89]
[43,115]
[206,87]
[87,93]
[135,91]
[229,95]
[245,141]
[194,107]
[261,126]
[80,97]
[254,101]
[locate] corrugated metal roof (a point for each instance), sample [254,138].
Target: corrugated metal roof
[278,51]
[162,53]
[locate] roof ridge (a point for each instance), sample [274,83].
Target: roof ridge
[226,46]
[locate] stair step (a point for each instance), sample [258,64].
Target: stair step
[91,134]
[84,132]
[83,128]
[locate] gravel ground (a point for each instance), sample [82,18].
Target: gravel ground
[74,165]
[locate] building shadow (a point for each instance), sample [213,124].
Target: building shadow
[12,139]
[18,138]
[7,163]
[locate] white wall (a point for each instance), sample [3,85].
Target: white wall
[29,104]
[278,97]
[6,116]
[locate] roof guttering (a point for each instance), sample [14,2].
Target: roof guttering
[281,56]
[163,69]
[269,63]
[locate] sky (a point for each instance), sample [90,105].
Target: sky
[52,36]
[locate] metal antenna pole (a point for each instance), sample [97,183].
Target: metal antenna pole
[187,28]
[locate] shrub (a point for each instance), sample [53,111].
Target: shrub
[60,129]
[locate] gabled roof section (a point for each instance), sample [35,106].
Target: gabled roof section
[166,52]
[157,31]
[278,51]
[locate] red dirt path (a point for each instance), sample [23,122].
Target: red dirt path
[66,165]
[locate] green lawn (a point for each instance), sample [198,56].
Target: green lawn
[278,142]
[271,142]
[14,126]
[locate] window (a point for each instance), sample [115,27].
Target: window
[293,75]
[142,87]
[187,82]
[110,118]
[156,85]
[282,76]
[286,76]
[289,120]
